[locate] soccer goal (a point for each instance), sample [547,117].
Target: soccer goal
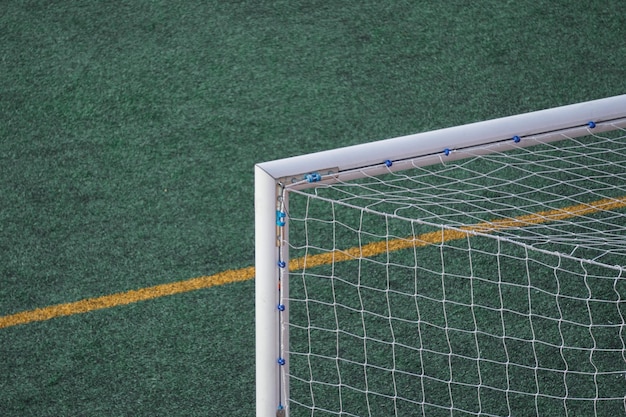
[472,270]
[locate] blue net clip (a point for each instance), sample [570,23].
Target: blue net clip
[591,124]
[280,218]
[516,139]
[446,152]
[313,177]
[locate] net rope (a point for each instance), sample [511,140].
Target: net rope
[492,285]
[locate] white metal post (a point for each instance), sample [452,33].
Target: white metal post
[426,148]
[266,300]
[284,310]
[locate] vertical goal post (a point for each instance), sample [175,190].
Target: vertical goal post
[275,180]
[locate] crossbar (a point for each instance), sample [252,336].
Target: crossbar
[427,148]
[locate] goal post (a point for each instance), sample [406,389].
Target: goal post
[345,194]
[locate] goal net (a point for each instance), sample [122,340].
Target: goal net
[477,270]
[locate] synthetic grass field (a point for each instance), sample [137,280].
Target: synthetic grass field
[128,132]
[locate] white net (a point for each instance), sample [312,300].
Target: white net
[493,285]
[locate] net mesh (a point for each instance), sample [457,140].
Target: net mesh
[492,285]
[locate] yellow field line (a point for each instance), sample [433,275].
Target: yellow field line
[446,235]
[365,251]
[128,297]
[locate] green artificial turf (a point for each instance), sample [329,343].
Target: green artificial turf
[128,133]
